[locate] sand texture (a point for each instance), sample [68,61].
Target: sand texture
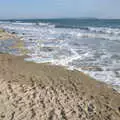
[30,91]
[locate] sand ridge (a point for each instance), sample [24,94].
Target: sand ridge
[30,91]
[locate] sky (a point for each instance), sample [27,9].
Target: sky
[59,8]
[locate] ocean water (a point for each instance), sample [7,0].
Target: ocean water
[88,45]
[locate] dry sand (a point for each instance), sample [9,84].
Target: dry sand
[30,91]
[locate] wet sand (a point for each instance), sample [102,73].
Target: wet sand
[5,35]
[30,91]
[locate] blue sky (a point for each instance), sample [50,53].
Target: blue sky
[59,8]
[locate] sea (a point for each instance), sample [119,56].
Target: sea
[88,45]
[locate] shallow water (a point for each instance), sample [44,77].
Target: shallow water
[6,46]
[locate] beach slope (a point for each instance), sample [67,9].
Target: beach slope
[30,91]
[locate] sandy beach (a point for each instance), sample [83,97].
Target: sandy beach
[30,91]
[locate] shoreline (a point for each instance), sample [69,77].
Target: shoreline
[19,46]
[41,91]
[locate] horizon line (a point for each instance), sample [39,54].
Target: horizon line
[59,18]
